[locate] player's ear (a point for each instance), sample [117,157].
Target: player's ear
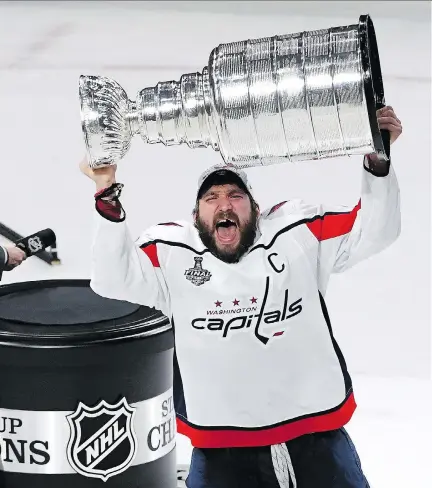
[256,208]
[195,213]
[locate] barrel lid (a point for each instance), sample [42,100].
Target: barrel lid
[62,313]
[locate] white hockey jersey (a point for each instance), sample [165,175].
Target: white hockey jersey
[256,362]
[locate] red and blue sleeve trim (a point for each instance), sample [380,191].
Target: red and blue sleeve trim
[108,205]
[333,224]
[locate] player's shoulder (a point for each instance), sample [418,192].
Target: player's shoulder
[178,231]
[288,210]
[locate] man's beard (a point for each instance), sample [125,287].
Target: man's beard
[247,237]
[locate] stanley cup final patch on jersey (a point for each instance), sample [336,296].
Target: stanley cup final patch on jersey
[198,275]
[103,442]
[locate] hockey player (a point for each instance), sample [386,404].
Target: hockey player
[261,386]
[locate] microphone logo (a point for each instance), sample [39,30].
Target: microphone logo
[35,244]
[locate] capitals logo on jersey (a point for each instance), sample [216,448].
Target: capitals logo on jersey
[198,275]
[265,322]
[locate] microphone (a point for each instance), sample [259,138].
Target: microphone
[37,242]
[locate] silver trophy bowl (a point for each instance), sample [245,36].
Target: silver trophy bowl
[296,97]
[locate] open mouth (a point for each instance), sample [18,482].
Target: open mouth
[226,230]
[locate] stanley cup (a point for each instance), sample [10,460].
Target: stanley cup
[289,98]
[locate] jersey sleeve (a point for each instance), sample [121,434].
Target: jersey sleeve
[3,258]
[349,235]
[127,269]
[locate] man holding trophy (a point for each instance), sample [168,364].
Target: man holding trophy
[261,387]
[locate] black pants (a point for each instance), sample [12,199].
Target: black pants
[322,460]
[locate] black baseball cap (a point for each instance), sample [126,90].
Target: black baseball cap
[222,175]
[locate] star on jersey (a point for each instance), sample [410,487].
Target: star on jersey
[236,302]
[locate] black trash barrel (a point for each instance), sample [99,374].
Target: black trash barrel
[85,390]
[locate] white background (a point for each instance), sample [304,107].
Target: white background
[380,310]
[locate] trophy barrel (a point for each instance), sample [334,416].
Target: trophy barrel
[297,97]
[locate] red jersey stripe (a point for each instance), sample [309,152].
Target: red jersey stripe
[151,251]
[333,225]
[203,438]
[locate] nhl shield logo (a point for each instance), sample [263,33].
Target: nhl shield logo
[198,275]
[102,441]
